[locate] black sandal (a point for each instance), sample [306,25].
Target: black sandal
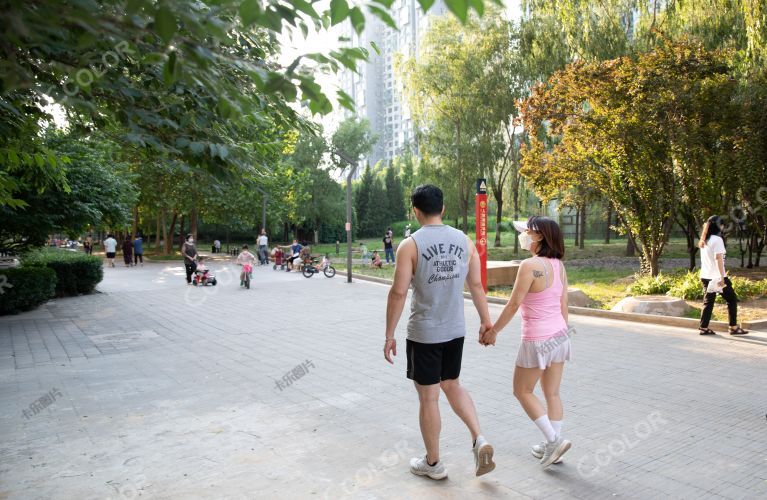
[707,331]
[738,331]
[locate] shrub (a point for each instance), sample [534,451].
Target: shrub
[76,272]
[688,286]
[649,285]
[749,289]
[26,288]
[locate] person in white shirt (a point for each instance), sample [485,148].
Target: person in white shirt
[110,247]
[714,277]
[263,248]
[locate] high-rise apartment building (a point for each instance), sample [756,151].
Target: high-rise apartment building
[376,90]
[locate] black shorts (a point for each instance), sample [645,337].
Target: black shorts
[429,364]
[110,255]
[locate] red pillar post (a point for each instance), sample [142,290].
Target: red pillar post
[480,211]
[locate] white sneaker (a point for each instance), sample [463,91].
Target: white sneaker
[420,467]
[539,449]
[554,450]
[483,456]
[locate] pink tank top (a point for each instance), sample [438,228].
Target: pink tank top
[542,311]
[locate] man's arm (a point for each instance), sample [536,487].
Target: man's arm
[395,303]
[477,291]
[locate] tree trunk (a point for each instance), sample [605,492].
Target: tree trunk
[692,247]
[630,246]
[609,222]
[498,217]
[181,232]
[577,225]
[193,223]
[170,235]
[164,234]
[157,234]
[515,195]
[583,227]
[135,222]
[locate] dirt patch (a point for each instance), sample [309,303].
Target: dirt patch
[756,273]
[748,310]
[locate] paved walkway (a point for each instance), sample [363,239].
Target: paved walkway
[159,390]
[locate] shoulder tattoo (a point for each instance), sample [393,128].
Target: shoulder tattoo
[537,273]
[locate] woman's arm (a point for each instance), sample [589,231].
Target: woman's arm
[564,292]
[521,286]
[720,265]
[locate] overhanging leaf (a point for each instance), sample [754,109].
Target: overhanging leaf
[165,23]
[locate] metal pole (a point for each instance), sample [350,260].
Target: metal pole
[349,224]
[352,168]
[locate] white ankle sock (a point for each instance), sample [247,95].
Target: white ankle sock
[557,425]
[544,425]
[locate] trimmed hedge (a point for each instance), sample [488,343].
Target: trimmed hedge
[76,273]
[26,288]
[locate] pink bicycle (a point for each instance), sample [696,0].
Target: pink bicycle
[247,269]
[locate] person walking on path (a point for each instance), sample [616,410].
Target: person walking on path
[407,231]
[127,248]
[540,294]
[110,248]
[437,260]
[189,251]
[88,244]
[263,248]
[138,250]
[217,246]
[714,277]
[388,247]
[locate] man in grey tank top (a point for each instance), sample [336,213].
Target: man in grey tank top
[437,260]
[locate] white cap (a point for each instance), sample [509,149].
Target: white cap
[520,225]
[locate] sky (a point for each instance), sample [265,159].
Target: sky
[327,40]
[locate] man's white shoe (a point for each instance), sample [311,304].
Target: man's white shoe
[539,449]
[420,467]
[554,450]
[483,456]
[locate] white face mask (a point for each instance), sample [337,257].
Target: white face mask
[525,241]
[190,240]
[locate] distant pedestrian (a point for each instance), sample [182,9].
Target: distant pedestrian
[407,231]
[263,248]
[88,244]
[110,247]
[714,277]
[127,248]
[189,252]
[364,251]
[138,250]
[217,246]
[388,247]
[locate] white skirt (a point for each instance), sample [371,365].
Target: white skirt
[541,353]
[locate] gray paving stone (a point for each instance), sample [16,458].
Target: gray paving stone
[169,392]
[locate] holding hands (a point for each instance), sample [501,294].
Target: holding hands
[487,334]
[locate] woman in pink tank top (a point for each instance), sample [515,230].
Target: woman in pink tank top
[540,294]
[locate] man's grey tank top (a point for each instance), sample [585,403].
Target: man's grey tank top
[436,307]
